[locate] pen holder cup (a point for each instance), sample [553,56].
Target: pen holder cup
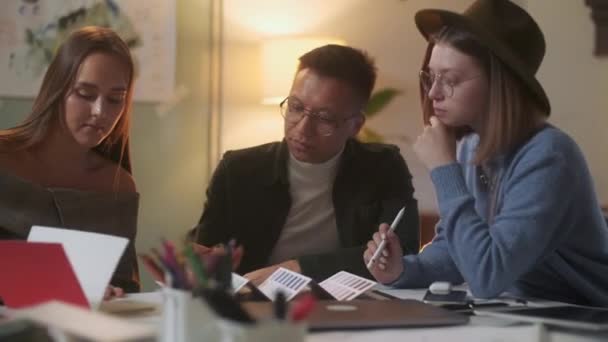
[188,318]
[264,331]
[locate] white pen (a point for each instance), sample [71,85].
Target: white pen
[383,242]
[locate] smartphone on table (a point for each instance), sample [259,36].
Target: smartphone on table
[451,298]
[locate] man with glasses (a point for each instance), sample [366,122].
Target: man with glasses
[311,202]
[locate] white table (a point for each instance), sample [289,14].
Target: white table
[479,328]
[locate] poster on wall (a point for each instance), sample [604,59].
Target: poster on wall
[31,31]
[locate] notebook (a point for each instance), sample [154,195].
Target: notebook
[93,256]
[33,273]
[368,314]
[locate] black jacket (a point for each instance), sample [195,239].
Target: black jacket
[248,199]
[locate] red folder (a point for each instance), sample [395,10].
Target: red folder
[32,273]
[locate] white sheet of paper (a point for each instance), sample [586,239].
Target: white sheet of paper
[291,283]
[238,282]
[124,306]
[90,325]
[93,256]
[346,286]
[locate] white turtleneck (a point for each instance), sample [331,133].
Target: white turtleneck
[310,227]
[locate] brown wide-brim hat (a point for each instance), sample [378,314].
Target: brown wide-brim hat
[503,27]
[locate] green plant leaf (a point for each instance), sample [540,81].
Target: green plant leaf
[379,100]
[368,135]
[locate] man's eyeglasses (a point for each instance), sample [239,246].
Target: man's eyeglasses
[445,85]
[324,122]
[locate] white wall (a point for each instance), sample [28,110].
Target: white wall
[575,81]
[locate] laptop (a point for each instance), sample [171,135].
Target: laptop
[368,314]
[577,317]
[33,273]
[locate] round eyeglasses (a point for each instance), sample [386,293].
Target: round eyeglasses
[445,85]
[324,123]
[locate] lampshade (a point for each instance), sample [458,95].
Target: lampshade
[279,62]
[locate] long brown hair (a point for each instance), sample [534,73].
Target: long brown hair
[48,107]
[512,115]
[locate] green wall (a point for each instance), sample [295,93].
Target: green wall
[169,151]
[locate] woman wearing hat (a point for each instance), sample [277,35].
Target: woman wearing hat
[518,210]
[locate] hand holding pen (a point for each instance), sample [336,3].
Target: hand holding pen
[383,255]
[380,248]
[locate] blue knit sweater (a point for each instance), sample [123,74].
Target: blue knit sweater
[529,224]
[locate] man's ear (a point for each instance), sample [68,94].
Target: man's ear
[356,124]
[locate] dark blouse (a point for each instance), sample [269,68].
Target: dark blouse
[24,204]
